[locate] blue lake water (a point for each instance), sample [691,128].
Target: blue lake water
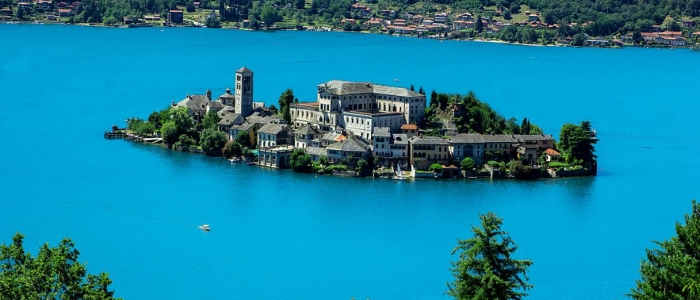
[133,209]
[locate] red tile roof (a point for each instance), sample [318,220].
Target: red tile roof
[552,152]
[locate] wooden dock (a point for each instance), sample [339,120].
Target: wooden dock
[115,135]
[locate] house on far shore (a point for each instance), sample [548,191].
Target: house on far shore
[175,16]
[65,12]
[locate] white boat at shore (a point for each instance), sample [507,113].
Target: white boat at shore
[399,175]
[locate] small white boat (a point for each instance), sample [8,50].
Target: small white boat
[204,227]
[399,175]
[234,159]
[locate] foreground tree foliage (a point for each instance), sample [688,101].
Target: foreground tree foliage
[54,273]
[673,271]
[485,269]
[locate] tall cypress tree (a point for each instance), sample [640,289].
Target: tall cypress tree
[433,99]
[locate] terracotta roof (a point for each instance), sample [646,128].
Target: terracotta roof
[552,152]
[350,144]
[409,127]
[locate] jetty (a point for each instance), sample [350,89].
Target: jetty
[114,135]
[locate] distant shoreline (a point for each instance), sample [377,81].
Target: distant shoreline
[482,40]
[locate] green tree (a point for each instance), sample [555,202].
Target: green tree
[19,13]
[435,167]
[578,142]
[361,165]
[433,99]
[467,164]
[55,273]
[182,119]
[139,127]
[485,268]
[507,15]
[211,120]
[300,161]
[154,118]
[285,100]
[512,126]
[184,140]
[232,149]
[323,160]
[273,109]
[673,270]
[525,127]
[478,25]
[212,142]
[164,116]
[269,15]
[243,138]
[213,23]
[169,133]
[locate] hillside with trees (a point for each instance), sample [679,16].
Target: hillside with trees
[575,19]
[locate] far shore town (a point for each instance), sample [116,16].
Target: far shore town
[519,24]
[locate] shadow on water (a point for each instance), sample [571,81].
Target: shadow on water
[579,190]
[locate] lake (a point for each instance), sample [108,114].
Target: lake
[133,210]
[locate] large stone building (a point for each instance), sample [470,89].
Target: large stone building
[359,107]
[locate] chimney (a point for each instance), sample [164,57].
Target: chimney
[209,95]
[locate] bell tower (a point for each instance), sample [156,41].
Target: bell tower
[244,92]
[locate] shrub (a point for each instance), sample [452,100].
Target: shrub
[333,168]
[467,163]
[435,167]
[557,165]
[184,141]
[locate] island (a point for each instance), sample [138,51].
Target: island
[366,129]
[548,22]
